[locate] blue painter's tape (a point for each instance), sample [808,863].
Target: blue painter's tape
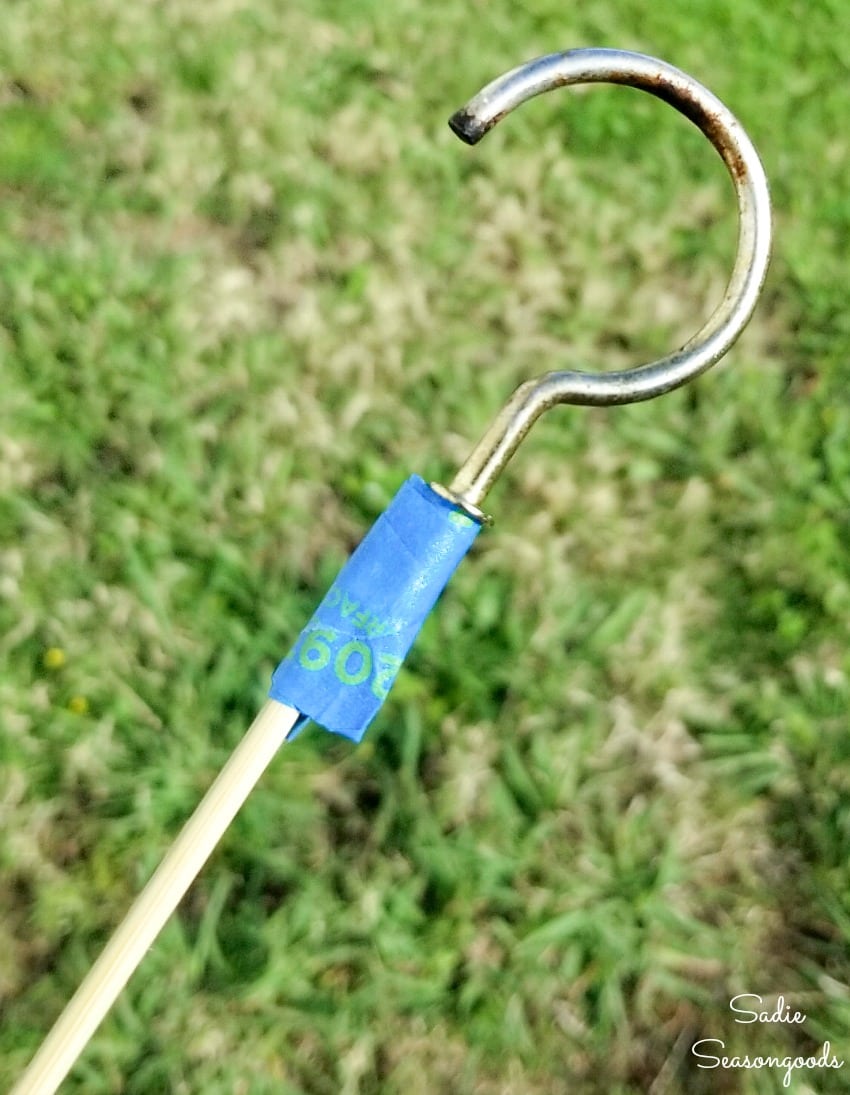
[345,660]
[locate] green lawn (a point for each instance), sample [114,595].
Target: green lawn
[249,281]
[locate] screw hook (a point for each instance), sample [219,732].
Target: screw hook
[488,459]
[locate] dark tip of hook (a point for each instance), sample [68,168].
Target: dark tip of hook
[466,126]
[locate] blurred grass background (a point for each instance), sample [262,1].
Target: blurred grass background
[250,281]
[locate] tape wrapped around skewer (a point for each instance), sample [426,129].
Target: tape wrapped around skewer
[345,660]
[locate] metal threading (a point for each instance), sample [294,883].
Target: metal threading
[488,459]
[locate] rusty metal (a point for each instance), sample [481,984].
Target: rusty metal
[718,333]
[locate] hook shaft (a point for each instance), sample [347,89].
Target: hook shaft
[710,343]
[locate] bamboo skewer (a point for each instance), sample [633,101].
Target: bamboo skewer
[157,901]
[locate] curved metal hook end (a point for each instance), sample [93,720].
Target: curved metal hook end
[467,126]
[717,334]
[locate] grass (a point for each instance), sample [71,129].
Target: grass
[250,282]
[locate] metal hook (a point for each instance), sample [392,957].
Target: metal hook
[710,343]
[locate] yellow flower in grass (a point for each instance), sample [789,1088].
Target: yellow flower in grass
[54,658]
[78,704]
